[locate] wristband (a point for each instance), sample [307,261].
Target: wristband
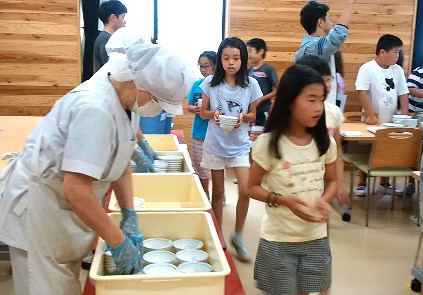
[270,199]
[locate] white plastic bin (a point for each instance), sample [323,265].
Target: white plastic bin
[162,142]
[167,192]
[172,225]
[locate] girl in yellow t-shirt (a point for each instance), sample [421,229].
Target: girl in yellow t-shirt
[296,154]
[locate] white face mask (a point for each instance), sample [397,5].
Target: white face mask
[150,109]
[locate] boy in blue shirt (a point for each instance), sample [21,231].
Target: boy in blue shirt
[324,38]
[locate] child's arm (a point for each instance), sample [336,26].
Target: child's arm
[330,182]
[295,204]
[403,99]
[339,163]
[363,97]
[205,113]
[251,114]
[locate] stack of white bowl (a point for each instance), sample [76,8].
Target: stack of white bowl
[227,123]
[174,162]
[402,119]
[109,264]
[159,166]
[255,132]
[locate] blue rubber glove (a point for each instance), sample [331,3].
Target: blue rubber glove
[143,162]
[147,149]
[127,258]
[129,225]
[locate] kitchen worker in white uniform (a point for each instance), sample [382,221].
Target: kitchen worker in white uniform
[50,197]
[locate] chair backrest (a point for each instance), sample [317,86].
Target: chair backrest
[396,147]
[351,117]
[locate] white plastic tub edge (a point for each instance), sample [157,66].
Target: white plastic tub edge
[210,283]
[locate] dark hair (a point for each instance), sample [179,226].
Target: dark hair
[241,78]
[210,55]
[258,44]
[110,7]
[316,63]
[292,83]
[400,60]
[311,13]
[339,63]
[387,42]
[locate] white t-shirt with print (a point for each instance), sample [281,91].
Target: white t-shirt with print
[229,101]
[334,117]
[384,86]
[300,171]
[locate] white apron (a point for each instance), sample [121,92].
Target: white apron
[56,238]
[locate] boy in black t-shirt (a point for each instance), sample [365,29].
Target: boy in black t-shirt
[265,74]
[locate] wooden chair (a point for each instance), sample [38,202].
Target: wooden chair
[395,153]
[354,116]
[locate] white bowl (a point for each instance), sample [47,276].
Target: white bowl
[159,256]
[228,118]
[410,122]
[401,117]
[157,244]
[183,244]
[190,255]
[226,127]
[159,268]
[192,267]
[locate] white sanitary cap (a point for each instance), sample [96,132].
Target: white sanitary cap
[163,73]
[121,39]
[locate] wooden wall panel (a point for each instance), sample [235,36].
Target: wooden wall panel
[39,54]
[278,23]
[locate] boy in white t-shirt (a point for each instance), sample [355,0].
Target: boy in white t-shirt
[380,84]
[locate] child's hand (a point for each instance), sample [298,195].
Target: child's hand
[216,117]
[321,208]
[311,213]
[197,109]
[238,123]
[372,120]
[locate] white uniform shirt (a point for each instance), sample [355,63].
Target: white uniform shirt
[80,134]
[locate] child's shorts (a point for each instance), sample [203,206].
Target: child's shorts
[291,268]
[218,163]
[197,155]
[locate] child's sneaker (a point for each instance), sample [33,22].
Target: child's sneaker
[238,243]
[361,190]
[346,217]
